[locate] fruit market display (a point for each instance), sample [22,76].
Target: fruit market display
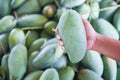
[29,49]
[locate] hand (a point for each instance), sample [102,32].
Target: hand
[90,34]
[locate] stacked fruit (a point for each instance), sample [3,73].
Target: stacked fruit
[29,49]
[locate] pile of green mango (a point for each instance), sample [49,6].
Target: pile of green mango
[29,49]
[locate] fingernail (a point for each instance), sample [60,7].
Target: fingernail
[58,37]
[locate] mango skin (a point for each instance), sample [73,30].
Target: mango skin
[87,74]
[70,27]
[50,74]
[17,62]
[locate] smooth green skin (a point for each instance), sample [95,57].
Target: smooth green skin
[4,42]
[16,36]
[32,20]
[61,62]
[2,73]
[30,59]
[86,74]
[105,28]
[60,11]
[49,11]
[110,68]
[50,41]
[108,14]
[17,62]
[118,74]
[44,2]
[36,45]
[94,14]
[66,73]
[95,0]
[4,8]
[29,7]
[50,74]
[4,65]
[71,3]
[33,75]
[16,3]
[70,27]
[84,10]
[43,34]
[7,23]
[49,26]
[93,61]
[32,36]
[116,20]
[45,58]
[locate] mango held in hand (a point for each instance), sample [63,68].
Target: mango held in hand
[71,30]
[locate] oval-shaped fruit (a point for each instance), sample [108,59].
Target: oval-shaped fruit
[66,73]
[44,2]
[33,75]
[60,11]
[32,36]
[3,43]
[104,27]
[4,65]
[108,14]
[7,23]
[32,20]
[43,34]
[36,45]
[17,62]
[49,11]
[16,36]
[4,8]
[50,74]
[71,3]
[2,73]
[91,61]
[118,74]
[84,10]
[16,3]
[49,26]
[86,74]
[70,27]
[110,69]
[29,7]
[116,20]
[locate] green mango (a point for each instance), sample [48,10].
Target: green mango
[35,46]
[61,62]
[71,3]
[2,73]
[105,28]
[116,20]
[16,36]
[4,8]
[44,2]
[84,10]
[4,65]
[7,23]
[3,43]
[110,69]
[86,74]
[43,34]
[49,26]
[33,75]
[30,59]
[16,3]
[95,0]
[91,61]
[32,36]
[70,25]
[17,62]
[29,7]
[66,73]
[32,20]
[50,41]
[60,11]
[118,74]
[94,14]
[108,14]
[49,11]
[50,74]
